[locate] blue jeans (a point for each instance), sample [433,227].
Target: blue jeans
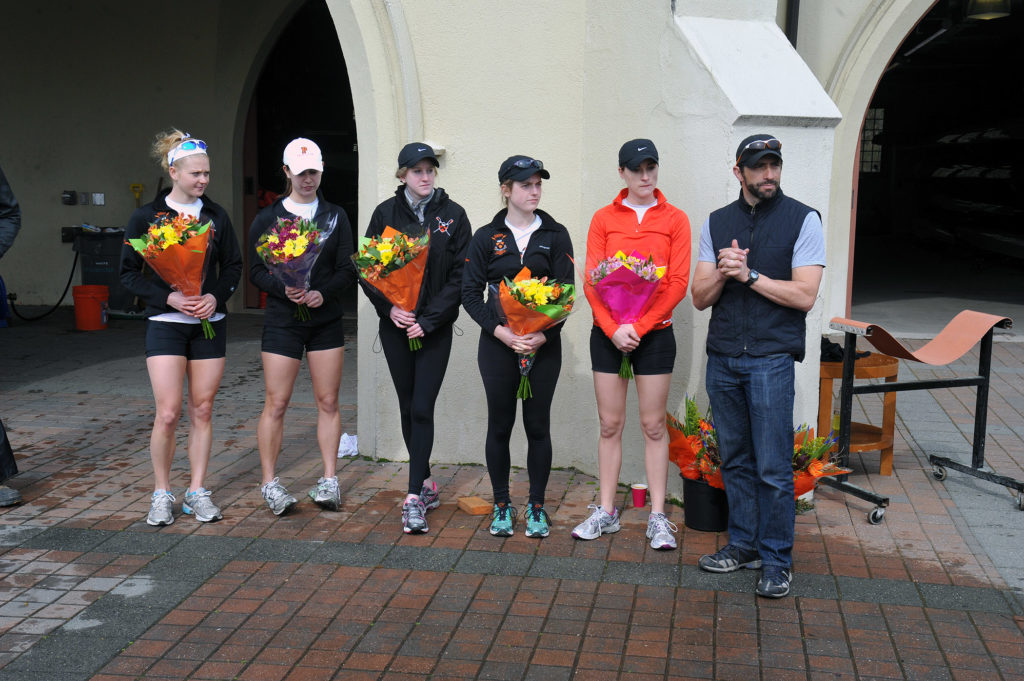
[752,407]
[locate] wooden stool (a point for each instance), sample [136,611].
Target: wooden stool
[863,437]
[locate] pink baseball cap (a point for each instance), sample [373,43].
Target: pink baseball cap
[303,154]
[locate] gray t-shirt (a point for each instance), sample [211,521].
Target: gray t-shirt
[809,248]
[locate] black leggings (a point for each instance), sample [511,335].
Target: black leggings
[500,373]
[417,377]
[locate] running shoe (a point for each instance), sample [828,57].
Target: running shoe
[600,522]
[730,559]
[774,582]
[414,517]
[538,522]
[326,494]
[503,520]
[200,505]
[160,509]
[430,496]
[277,497]
[659,531]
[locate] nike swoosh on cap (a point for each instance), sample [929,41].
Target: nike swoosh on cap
[640,148]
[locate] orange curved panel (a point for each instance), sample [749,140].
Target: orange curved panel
[958,336]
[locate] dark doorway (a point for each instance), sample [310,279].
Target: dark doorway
[302,91]
[940,211]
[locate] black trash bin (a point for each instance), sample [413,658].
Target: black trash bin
[100,255]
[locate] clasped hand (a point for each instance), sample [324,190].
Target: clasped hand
[404,319]
[732,262]
[301,296]
[523,345]
[200,307]
[625,338]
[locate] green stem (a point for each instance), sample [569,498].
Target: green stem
[626,368]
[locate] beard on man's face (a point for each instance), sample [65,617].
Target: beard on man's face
[766,190]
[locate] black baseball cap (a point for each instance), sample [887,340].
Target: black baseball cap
[752,149]
[521,168]
[413,153]
[635,152]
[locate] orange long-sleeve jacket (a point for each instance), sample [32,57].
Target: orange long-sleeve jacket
[663,234]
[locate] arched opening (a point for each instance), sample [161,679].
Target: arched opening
[940,203]
[303,90]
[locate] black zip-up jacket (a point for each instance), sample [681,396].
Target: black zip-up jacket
[742,320]
[493,255]
[450,232]
[10,215]
[223,268]
[331,275]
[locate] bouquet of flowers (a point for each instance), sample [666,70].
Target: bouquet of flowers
[289,249]
[625,285]
[812,459]
[393,265]
[693,445]
[529,305]
[176,249]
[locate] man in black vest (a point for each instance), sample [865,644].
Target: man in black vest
[759,267]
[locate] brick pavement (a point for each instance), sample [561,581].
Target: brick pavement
[88,590]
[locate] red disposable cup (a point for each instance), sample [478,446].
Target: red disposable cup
[639,494]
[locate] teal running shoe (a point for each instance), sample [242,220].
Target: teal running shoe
[538,522]
[503,520]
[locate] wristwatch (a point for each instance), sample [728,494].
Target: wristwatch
[751,278]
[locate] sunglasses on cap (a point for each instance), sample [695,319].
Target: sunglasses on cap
[760,145]
[525,163]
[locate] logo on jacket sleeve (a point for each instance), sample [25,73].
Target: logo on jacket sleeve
[499,244]
[443,226]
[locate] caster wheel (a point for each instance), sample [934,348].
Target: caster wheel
[1020,501]
[939,473]
[876,515]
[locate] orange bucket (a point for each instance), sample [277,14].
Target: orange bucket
[90,307]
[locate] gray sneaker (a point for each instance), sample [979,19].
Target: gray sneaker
[659,531]
[9,496]
[200,505]
[326,494]
[277,497]
[600,522]
[161,511]
[414,517]
[729,559]
[430,496]
[774,582]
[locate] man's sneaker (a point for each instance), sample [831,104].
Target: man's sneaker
[503,520]
[538,522]
[160,510]
[600,522]
[774,582]
[730,559]
[430,496]
[200,505]
[659,531]
[9,496]
[277,497]
[326,494]
[414,517]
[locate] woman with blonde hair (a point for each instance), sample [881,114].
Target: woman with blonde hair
[419,207]
[176,346]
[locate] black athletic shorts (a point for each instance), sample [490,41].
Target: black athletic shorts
[655,355]
[290,341]
[186,340]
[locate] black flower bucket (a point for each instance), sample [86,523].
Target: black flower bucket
[705,508]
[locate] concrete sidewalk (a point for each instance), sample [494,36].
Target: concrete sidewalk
[89,591]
